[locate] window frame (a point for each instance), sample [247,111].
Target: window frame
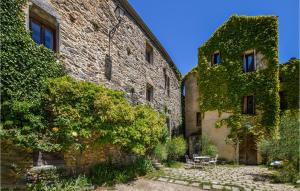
[213,58]
[44,25]
[149,54]
[283,100]
[246,109]
[245,54]
[149,93]
[198,119]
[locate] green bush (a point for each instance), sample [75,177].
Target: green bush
[110,174]
[285,147]
[176,148]
[71,184]
[82,113]
[41,110]
[160,152]
[208,148]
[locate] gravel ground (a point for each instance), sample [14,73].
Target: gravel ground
[150,185]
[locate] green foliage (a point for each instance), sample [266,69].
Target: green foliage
[24,68]
[176,148]
[208,148]
[110,174]
[286,147]
[223,86]
[71,184]
[160,152]
[81,113]
[289,73]
[44,111]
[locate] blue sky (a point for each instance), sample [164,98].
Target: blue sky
[183,25]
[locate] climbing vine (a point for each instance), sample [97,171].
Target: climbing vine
[289,75]
[223,86]
[43,109]
[24,68]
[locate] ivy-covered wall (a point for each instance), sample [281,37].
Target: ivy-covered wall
[24,68]
[223,86]
[289,77]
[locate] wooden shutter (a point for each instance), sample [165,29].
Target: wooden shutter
[244,104]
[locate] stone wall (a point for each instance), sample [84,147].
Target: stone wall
[83,44]
[217,136]
[16,162]
[191,103]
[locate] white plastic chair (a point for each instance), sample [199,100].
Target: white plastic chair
[214,160]
[189,162]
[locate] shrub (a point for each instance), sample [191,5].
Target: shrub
[289,146]
[285,148]
[160,152]
[208,148]
[71,184]
[110,174]
[176,148]
[82,113]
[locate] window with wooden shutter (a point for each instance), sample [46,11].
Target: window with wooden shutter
[149,93]
[149,53]
[249,105]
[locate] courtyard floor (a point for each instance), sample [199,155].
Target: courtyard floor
[231,178]
[150,185]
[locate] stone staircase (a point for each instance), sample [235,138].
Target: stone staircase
[157,165]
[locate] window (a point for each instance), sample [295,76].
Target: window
[132,97]
[283,101]
[149,53]
[108,67]
[167,82]
[198,119]
[128,51]
[249,62]
[149,93]
[168,85]
[249,105]
[42,33]
[216,58]
[168,122]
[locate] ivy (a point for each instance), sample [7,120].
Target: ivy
[42,109]
[24,68]
[223,86]
[289,75]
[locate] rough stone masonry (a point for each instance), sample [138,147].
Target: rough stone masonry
[82,40]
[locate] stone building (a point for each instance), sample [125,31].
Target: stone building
[131,60]
[249,62]
[96,45]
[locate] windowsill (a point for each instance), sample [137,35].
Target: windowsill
[249,71]
[251,114]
